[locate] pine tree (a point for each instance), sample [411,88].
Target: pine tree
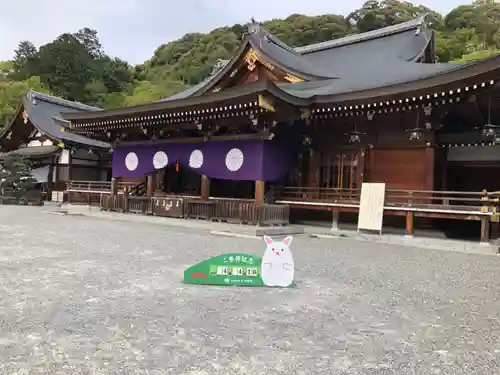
[16,177]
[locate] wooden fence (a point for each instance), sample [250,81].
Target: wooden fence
[217,209]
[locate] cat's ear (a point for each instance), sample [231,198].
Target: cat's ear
[268,240]
[288,240]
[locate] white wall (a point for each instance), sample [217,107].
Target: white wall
[36,143]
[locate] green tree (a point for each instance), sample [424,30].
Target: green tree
[16,177]
[478,55]
[377,14]
[66,67]
[75,67]
[11,94]
[25,63]
[481,16]
[89,39]
[145,92]
[117,75]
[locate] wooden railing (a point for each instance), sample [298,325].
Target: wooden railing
[139,205]
[98,186]
[217,209]
[394,198]
[479,206]
[90,192]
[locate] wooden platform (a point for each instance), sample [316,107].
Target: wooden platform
[478,206]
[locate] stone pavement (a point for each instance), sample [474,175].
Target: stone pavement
[86,296]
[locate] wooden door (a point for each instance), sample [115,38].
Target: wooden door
[339,170]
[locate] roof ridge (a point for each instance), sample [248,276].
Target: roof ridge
[369,35]
[60,101]
[275,40]
[256,28]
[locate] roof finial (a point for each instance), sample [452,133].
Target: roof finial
[253,26]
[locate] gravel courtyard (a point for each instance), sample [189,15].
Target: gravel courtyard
[88,296]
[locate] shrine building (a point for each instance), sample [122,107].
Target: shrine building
[306,126]
[37,132]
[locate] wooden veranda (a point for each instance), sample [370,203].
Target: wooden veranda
[455,205]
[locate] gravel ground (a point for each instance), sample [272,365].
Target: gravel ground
[87,296]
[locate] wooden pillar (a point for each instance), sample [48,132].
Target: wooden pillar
[335,220]
[259,192]
[56,165]
[125,199]
[361,168]
[70,173]
[50,181]
[410,222]
[205,188]
[485,220]
[150,185]
[485,229]
[70,166]
[114,186]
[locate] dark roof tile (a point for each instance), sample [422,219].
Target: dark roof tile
[44,112]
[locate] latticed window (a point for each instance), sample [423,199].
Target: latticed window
[339,171]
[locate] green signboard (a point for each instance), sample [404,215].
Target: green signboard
[226,269]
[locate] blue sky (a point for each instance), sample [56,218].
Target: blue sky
[133,29]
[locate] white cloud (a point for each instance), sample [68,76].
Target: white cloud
[133,29]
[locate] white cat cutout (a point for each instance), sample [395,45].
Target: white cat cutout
[277,267]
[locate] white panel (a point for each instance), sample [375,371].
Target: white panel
[35,143]
[64,158]
[41,174]
[479,153]
[57,196]
[371,206]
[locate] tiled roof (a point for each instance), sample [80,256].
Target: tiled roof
[44,112]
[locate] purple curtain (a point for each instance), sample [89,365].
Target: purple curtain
[227,160]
